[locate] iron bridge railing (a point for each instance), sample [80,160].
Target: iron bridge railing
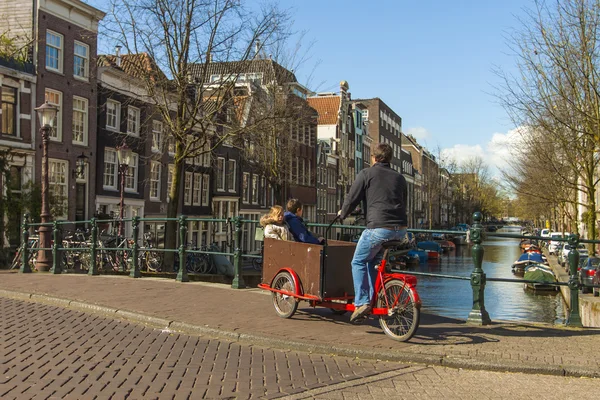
[478,279]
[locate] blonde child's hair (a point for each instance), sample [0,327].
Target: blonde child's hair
[272,216]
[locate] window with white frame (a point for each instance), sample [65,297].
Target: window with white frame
[113,115]
[170,172]
[206,155]
[171,145]
[196,189]
[54,51]
[131,177]
[133,121]
[231,174]
[303,171]
[8,98]
[80,120]
[155,170]
[220,174]
[58,185]
[263,186]
[254,189]
[187,189]
[81,60]
[110,169]
[157,136]
[205,188]
[54,97]
[246,188]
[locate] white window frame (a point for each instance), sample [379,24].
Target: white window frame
[84,111]
[115,172]
[86,61]
[254,189]
[117,110]
[170,171]
[205,189]
[155,173]
[63,167]
[221,171]
[135,120]
[57,129]
[231,175]
[132,174]
[246,188]
[60,50]
[157,136]
[187,189]
[196,189]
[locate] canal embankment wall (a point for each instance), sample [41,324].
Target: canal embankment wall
[589,306]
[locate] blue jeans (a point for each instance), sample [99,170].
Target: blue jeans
[367,255]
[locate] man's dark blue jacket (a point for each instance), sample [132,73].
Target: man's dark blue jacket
[298,230]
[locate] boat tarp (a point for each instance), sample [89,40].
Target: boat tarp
[539,273]
[533,257]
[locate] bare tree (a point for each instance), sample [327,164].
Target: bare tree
[556,93]
[184,40]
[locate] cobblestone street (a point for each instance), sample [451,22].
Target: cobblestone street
[55,353]
[50,352]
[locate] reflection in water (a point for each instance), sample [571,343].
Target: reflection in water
[503,300]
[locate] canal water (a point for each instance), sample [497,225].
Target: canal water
[503,300]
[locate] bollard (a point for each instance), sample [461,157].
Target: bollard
[574,319]
[135,267]
[93,266]
[478,315]
[25,267]
[182,275]
[56,262]
[238,279]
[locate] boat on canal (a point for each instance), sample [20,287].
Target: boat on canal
[544,277]
[526,259]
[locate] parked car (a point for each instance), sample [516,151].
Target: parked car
[554,243]
[545,233]
[588,272]
[491,228]
[563,255]
[596,281]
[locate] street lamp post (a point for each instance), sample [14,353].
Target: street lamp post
[124,157]
[46,113]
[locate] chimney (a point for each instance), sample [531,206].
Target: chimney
[257,48]
[118,55]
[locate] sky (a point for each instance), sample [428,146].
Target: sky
[431,61]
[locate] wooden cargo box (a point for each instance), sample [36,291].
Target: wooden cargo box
[332,278]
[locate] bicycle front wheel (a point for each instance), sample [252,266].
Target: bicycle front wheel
[402,320]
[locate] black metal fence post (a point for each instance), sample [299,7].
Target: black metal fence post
[56,260]
[574,318]
[94,249]
[135,267]
[25,267]
[182,275]
[238,279]
[478,314]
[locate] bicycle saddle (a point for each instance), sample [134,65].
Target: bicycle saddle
[393,243]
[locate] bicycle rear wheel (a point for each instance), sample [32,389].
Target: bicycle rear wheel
[402,321]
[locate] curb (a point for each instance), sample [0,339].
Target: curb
[449,360]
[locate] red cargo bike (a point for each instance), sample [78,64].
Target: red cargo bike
[322,276]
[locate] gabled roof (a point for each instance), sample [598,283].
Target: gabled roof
[272,71]
[328,108]
[140,66]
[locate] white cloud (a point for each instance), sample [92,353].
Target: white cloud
[496,152]
[419,133]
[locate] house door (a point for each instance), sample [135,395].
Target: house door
[80,202]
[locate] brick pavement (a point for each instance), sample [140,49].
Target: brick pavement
[248,315]
[65,354]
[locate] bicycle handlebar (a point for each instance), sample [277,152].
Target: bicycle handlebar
[337,217]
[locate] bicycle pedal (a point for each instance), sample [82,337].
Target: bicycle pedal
[360,320]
